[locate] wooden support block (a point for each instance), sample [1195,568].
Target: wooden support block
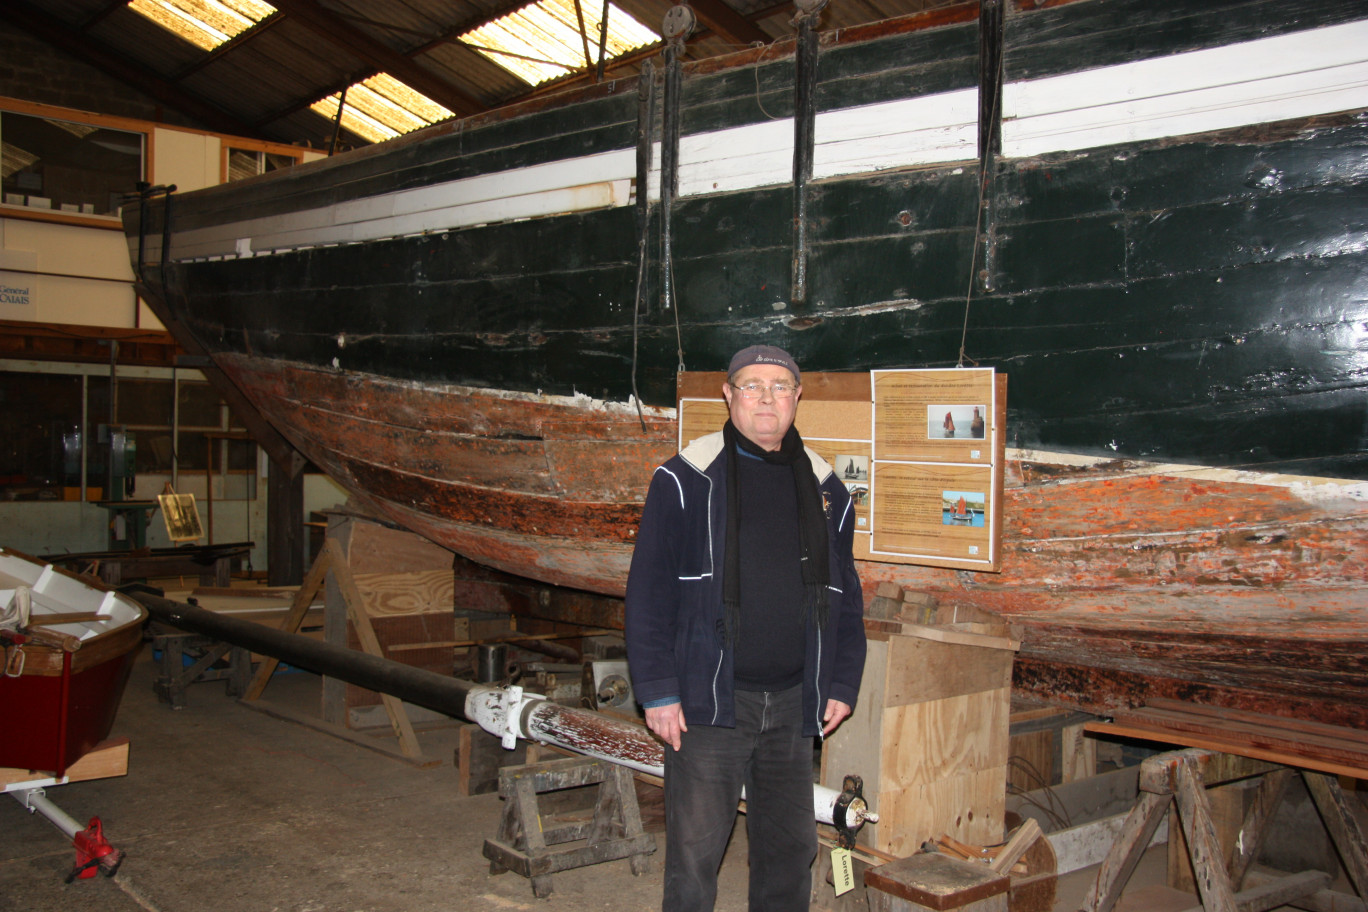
[935,881]
[887,603]
[105,760]
[930,738]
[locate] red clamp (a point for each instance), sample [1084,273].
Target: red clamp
[93,852]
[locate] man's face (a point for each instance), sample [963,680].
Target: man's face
[765,420]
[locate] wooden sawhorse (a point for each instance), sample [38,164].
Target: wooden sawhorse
[1183,776]
[525,847]
[175,676]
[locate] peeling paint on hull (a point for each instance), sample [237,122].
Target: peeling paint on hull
[1128,580]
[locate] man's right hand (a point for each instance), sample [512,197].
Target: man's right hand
[667,722]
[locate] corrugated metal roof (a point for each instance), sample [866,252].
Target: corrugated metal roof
[548,39]
[265,80]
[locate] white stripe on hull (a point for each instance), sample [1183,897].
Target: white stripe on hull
[1318,71]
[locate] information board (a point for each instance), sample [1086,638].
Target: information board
[919,450]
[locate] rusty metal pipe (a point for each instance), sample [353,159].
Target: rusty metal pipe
[507,712]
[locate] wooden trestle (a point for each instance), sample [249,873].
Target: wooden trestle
[1182,777]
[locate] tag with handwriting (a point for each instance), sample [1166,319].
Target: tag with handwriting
[842,873]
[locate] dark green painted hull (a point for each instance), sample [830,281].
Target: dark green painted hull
[1198,300]
[1160,302]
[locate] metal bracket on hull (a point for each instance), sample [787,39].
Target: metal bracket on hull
[804,138]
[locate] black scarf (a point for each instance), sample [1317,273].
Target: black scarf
[812,528]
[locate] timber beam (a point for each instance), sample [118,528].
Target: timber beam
[1161,774]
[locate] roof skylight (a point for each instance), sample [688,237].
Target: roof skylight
[204,23]
[543,40]
[382,107]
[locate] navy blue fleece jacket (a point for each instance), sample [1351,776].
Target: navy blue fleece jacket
[676,644]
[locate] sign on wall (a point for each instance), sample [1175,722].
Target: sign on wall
[18,296]
[921,452]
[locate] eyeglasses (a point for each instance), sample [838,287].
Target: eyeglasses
[757,390]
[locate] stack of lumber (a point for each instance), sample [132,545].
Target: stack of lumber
[1307,745]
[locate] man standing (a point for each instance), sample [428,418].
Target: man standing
[745,636]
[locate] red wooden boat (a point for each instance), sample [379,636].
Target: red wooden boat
[69,645]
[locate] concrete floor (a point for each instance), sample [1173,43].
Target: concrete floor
[227,808]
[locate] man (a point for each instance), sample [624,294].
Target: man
[745,636]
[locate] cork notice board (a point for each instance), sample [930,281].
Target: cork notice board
[921,452]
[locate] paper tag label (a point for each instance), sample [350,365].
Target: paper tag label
[842,873]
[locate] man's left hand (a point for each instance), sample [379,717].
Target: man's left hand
[836,711]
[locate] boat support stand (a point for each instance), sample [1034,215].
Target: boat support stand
[93,852]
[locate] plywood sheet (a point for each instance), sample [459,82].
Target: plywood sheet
[921,670]
[968,807]
[941,739]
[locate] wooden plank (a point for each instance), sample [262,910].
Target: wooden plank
[1087,844]
[1021,840]
[970,804]
[414,592]
[379,549]
[105,760]
[936,881]
[944,635]
[1254,828]
[1208,860]
[1135,837]
[403,728]
[1343,826]
[1320,901]
[1356,768]
[1289,890]
[1228,805]
[1030,762]
[1229,716]
[1077,754]
[1159,774]
[298,609]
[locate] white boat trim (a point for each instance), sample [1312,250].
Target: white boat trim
[1307,73]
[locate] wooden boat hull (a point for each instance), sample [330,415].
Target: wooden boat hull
[1129,580]
[56,704]
[63,716]
[1177,298]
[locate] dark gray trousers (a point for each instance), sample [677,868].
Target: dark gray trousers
[768,754]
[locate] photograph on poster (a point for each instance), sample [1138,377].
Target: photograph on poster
[962,508]
[964,422]
[859,495]
[852,469]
